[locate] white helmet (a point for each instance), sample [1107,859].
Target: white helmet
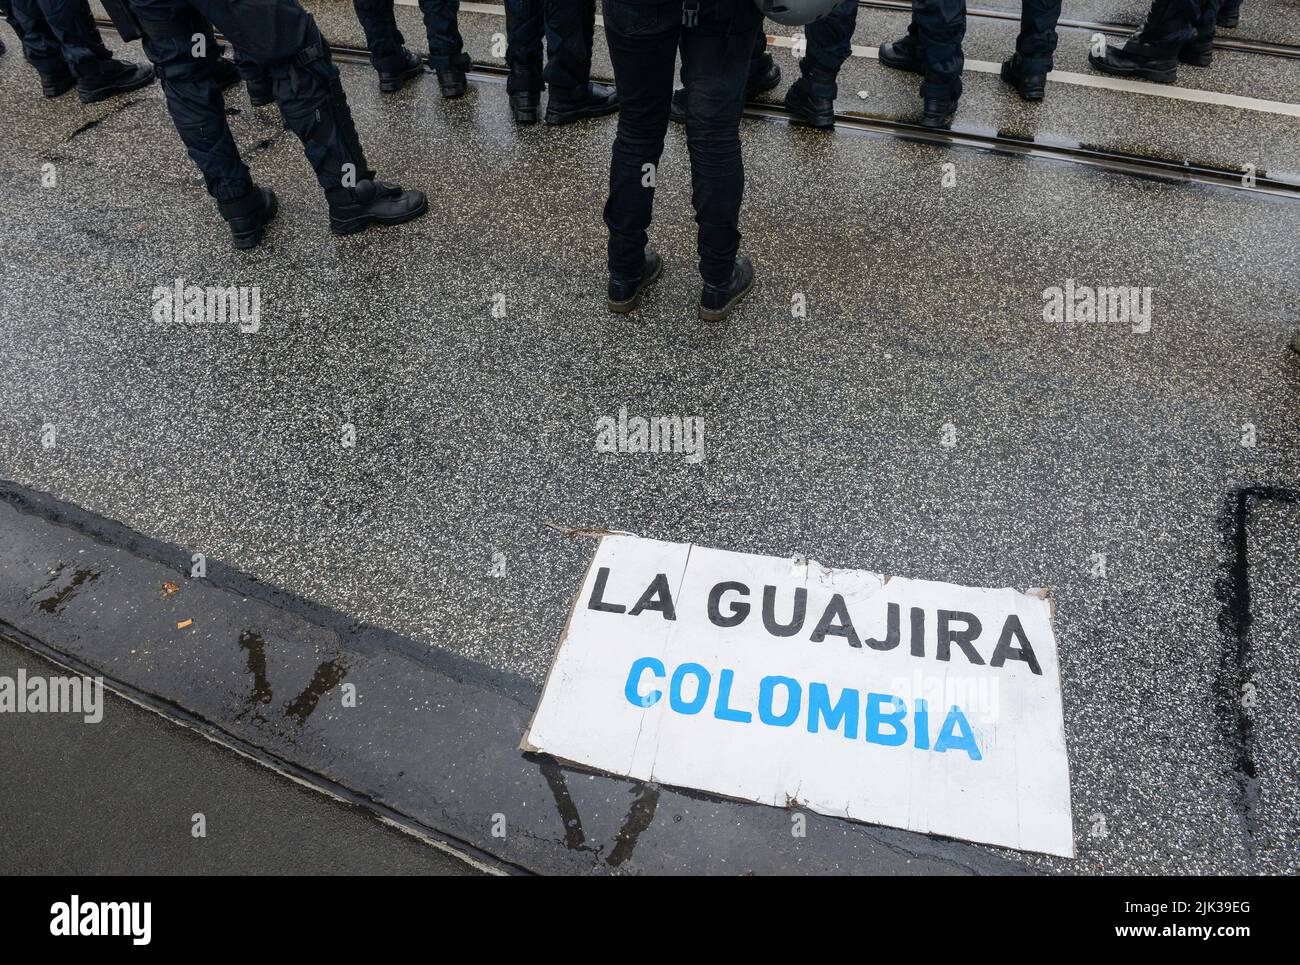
[795,13]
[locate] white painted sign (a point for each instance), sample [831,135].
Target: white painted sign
[910,703]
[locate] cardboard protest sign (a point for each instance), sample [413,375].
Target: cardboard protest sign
[910,703]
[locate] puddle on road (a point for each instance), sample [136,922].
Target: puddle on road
[57,603]
[328,675]
[639,816]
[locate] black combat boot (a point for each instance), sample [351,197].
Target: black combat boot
[1138,59]
[936,112]
[57,84]
[373,202]
[807,107]
[902,54]
[451,80]
[248,216]
[1030,87]
[261,91]
[1229,14]
[1199,51]
[764,79]
[717,302]
[525,89]
[625,293]
[107,78]
[224,72]
[393,77]
[591,100]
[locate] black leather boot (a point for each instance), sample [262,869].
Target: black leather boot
[1031,87]
[373,202]
[1137,59]
[225,72]
[902,54]
[525,89]
[717,302]
[1199,51]
[109,78]
[625,293]
[936,112]
[260,91]
[393,77]
[806,107]
[451,81]
[593,100]
[248,216]
[55,85]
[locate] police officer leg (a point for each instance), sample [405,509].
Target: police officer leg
[1028,67]
[1152,52]
[99,76]
[197,108]
[811,98]
[905,52]
[388,54]
[572,94]
[282,37]
[524,30]
[715,62]
[256,78]
[941,26]
[447,54]
[40,47]
[1199,50]
[643,47]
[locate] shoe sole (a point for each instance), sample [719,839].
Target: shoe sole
[1146,73]
[105,93]
[393,84]
[718,314]
[558,120]
[631,304]
[353,225]
[1197,60]
[530,115]
[252,239]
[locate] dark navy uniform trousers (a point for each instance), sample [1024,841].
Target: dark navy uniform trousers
[937,29]
[567,25]
[58,36]
[280,37]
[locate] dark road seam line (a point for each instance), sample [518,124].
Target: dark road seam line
[1235,661]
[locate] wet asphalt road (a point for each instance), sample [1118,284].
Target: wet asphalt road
[823,432]
[119,797]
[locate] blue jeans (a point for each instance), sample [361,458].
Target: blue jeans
[643,42]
